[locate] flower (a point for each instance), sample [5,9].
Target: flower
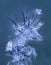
[21,50]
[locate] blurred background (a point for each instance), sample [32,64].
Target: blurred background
[9,7]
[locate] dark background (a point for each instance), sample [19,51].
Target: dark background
[8,7]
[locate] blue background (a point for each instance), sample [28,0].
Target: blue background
[8,7]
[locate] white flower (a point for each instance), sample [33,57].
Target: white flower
[9,46]
[38,11]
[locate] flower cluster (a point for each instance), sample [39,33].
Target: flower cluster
[21,51]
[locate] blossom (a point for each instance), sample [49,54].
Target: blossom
[29,30]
